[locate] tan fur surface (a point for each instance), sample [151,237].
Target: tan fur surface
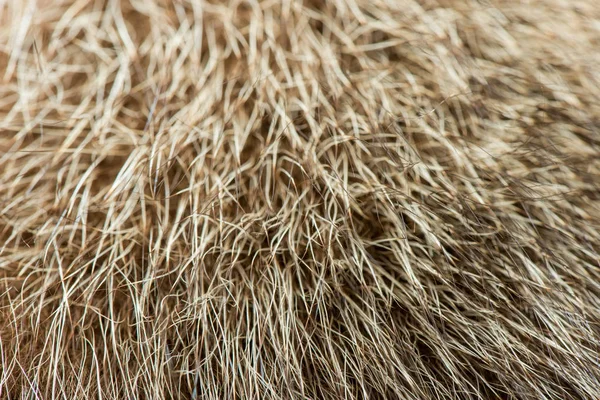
[299,199]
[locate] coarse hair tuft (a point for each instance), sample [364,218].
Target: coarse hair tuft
[299,199]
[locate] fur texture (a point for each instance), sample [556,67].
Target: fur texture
[299,199]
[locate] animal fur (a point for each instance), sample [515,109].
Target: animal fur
[299,199]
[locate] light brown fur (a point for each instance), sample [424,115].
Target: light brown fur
[292,199]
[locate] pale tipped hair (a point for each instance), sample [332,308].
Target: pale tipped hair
[299,199]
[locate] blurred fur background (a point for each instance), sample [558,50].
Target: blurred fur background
[299,199]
